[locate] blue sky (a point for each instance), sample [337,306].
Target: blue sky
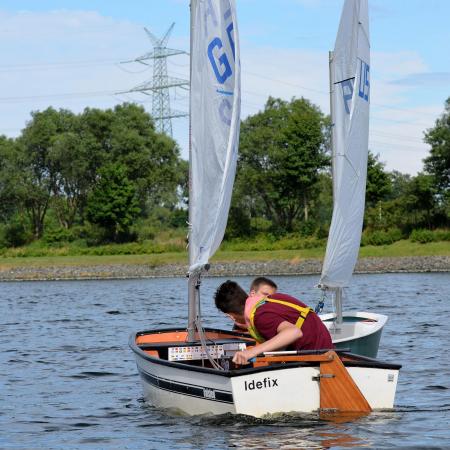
[67,54]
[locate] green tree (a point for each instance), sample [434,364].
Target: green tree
[379,184]
[438,163]
[8,179]
[75,157]
[282,151]
[421,200]
[112,204]
[151,159]
[412,204]
[38,174]
[400,184]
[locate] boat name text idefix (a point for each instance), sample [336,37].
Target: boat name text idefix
[266,383]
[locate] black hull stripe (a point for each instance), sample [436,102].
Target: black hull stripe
[190,390]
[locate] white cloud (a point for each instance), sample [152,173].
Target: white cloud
[282,73]
[66,52]
[434,79]
[60,52]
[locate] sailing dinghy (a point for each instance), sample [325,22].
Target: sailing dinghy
[190,369]
[349,104]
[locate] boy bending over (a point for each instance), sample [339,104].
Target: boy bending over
[276,321]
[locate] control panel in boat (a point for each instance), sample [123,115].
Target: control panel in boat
[195,352]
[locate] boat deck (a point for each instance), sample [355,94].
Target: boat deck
[170,347]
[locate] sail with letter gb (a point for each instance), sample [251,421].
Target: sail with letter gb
[215,121]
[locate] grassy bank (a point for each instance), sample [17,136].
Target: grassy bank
[398,249]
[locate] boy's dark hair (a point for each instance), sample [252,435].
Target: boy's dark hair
[257,282]
[230,298]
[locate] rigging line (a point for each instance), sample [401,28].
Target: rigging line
[201,333]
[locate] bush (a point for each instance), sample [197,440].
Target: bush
[424,236]
[57,235]
[239,223]
[322,231]
[267,242]
[442,235]
[307,229]
[145,232]
[178,218]
[381,237]
[14,234]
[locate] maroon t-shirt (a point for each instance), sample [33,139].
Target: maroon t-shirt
[269,316]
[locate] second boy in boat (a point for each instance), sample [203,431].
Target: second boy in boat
[260,287]
[276,321]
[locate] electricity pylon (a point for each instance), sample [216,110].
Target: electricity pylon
[159,87]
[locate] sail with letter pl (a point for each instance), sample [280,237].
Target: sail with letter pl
[350,86]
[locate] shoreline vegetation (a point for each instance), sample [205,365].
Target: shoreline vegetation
[103,194]
[402,256]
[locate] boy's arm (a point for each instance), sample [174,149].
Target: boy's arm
[287,333]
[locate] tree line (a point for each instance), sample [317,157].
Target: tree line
[107,176]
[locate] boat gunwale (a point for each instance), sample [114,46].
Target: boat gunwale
[380,321]
[363,361]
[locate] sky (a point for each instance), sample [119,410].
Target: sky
[70,53]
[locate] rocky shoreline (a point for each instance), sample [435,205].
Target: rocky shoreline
[411,264]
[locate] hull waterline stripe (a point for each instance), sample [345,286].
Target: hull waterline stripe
[205,393]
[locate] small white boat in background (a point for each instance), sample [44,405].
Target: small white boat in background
[190,369]
[358,332]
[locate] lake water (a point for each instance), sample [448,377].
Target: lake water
[68,379]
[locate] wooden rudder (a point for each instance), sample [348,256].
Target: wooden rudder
[338,391]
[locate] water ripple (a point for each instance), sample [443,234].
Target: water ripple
[69,381]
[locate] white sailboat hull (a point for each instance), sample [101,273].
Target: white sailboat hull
[283,388]
[359,332]
[184,391]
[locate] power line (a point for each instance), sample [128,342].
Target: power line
[55,96]
[396,136]
[87,63]
[56,65]
[399,146]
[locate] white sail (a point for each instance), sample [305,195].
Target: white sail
[350,117]
[215,120]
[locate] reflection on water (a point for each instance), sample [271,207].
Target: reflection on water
[68,379]
[294,438]
[296,430]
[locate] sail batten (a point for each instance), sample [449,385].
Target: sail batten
[350,117]
[215,121]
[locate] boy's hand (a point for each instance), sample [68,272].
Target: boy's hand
[287,334]
[242,357]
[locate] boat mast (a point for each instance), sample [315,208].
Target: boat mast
[337,298]
[333,152]
[192,280]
